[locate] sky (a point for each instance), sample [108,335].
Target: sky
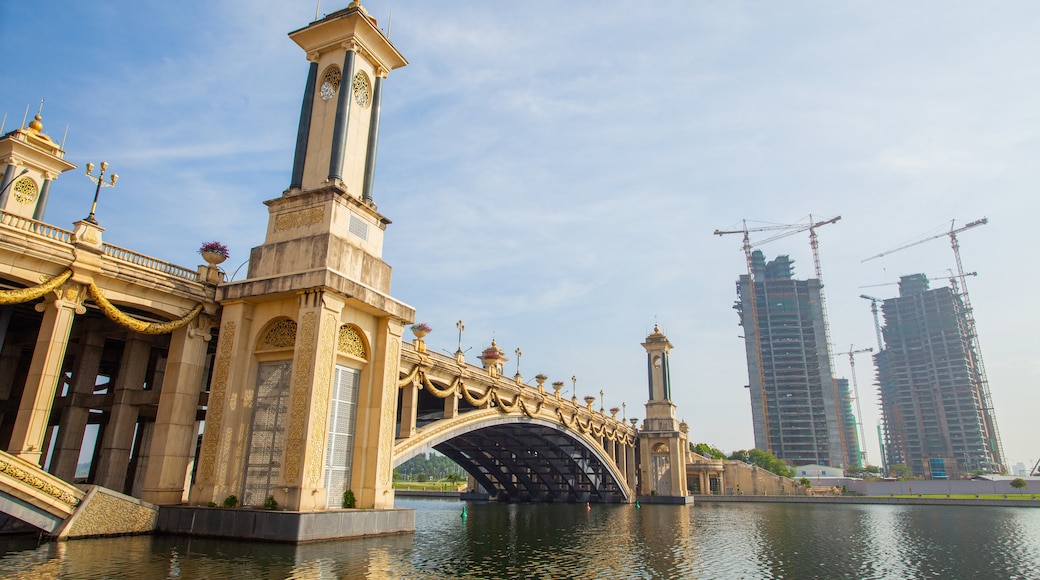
[555,171]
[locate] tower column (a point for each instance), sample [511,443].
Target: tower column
[6,182]
[119,433]
[34,410]
[339,130]
[176,428]
[373,137]
[304,131]
[41,204]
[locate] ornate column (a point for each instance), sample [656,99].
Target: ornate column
[302,484]
[75,416]
[223,452]
[451,406]
[34,409]
[122,421]
[377,405]
[173,438]
[630,465]
[45,192]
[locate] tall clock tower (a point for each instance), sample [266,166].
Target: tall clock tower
[663,441]
[304,389]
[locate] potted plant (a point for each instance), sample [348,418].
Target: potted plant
[421,329]
[214,252]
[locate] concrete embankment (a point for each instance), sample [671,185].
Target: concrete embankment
[870,500]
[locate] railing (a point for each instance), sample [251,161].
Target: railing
[149,262]
[35,227]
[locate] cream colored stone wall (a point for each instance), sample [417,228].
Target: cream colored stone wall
[104,512]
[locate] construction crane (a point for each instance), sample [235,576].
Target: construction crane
[975,350]
[855,390]
[784,231]
[952,278]
[877,321]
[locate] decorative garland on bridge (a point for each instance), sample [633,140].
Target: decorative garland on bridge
[418,378]
[117,316]
[33,292]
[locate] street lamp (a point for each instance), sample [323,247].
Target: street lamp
[461,327]
[99,180]
[574,387]
[518,355]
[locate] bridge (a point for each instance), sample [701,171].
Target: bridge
[518,442]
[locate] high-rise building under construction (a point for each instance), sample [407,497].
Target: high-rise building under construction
[932,397]
[795,405]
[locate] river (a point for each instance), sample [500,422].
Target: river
[794,541]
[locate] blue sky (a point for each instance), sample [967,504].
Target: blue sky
[554,171]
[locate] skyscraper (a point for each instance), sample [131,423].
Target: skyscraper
[931,393]
[795,405]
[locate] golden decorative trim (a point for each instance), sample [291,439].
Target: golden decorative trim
[350,342]
[280,335]
[33,292]
[20,474]
[320,401]
[299,218]
[215,410]
[140,326]
[299,398]
[25,191]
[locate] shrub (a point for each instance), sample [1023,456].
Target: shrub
[230,501]
[348,499]
[270,503]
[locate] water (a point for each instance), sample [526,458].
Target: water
[608,541]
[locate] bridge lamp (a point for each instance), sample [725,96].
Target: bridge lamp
[99,181]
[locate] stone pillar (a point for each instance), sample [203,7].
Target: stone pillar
[302,481]
[75,416]
[409,411]
[5,183]
[226,434]
[377,402]
[122,421]
[173,440]
[451,406]
[630,466]
[34,409]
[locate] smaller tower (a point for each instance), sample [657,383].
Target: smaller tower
[662,441]
[31,161]
[493,359]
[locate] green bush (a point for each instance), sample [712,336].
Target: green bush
[230,501]
[348,499]
[210,504]
[270,503]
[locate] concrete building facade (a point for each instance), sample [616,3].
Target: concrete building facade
[930,386]
[795,405]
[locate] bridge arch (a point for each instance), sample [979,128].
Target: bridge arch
[520,458]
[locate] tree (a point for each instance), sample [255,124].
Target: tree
[805,482]
[1019,484]
[765,460]
[709,451]
[872,469]
[901,471]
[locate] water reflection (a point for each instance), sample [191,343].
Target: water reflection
[606,541]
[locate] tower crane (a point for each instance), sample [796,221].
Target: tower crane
[975,350]
[855,390]
[784,231]
[877,321]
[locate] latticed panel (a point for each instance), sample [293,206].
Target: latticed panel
[340,451]
[267,433]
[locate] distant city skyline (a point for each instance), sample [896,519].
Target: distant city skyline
[554,172]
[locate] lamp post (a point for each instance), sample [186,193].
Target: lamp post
[99,180]
[13,179]
[574,387]
[461,327]
[601,400]
[518,355]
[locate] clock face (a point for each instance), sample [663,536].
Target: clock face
[327,91]
[362,89]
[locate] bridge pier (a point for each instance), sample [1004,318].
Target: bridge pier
[75,416]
